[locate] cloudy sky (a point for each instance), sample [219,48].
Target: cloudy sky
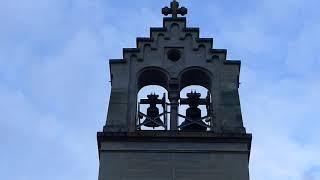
[54,77]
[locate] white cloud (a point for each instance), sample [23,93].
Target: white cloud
[280,114]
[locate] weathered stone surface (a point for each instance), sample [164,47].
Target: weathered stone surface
[173,155]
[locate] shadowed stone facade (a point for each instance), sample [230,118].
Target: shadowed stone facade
[174,57]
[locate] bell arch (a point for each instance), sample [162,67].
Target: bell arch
[152,76]
[195,103]
[152,99]
[195,76]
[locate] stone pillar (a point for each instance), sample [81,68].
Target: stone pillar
[174,95]
[174,114]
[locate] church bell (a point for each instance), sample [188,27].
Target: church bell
[152,118]
[193,120]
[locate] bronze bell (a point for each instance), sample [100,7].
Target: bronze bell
[153,119]
[193,113]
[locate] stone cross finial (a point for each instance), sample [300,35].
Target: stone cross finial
[174,10]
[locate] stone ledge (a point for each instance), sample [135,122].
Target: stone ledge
[173,136]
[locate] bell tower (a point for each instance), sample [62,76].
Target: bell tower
[149,138]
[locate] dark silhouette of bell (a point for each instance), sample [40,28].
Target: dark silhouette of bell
[153,119]
[193,113]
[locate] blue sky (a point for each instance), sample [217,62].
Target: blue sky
[54,79]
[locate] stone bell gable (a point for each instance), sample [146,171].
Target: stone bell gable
[174,56]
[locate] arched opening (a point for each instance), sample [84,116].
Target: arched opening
[152,108]
[195,110]
[152,99]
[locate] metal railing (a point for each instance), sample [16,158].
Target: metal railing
[206,121]
[200,122]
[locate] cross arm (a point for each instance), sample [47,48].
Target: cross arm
[166,11]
